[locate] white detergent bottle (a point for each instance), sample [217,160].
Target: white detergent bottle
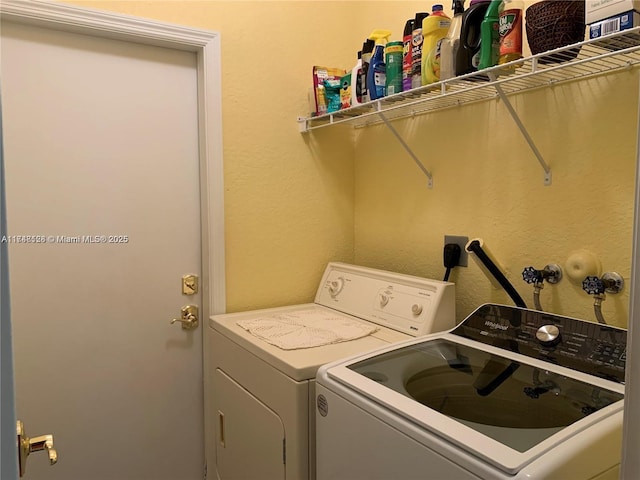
[451,43]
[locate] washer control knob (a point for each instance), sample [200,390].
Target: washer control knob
[335,286]
[384,299]
[548,334]
[416,309]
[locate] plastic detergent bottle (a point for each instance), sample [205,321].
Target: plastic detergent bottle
[356,83]
[416,50]
[510,30]
[490,37]
[434,28]
[406,54]
[393,63]
[367,51]
[451,43]
[469,52]
[376,74]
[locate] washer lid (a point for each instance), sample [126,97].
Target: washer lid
[514,403]
[506,409]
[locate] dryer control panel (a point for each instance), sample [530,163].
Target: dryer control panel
[589,347]
[406,303]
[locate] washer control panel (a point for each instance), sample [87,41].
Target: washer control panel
[406,303]
[589,347]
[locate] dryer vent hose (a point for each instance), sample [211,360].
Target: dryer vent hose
[475,247]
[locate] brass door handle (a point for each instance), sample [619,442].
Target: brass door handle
[189,317]
[27,445]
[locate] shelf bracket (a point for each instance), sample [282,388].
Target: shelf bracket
[408,149]
[303,124]
[523,130]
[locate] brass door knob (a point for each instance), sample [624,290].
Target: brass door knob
[27,445]
[189,317]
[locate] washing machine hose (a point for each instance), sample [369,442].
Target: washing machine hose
[476,248]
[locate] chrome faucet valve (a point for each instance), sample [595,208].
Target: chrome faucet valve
[552,273]
[610,282]
[593,285]
[531,275]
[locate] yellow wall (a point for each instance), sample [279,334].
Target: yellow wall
[294,202]
[488,184]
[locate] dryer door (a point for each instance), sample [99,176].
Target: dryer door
[250,443]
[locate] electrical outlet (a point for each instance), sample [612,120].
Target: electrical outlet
[462,241]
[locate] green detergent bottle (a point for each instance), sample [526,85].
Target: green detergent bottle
[490,36]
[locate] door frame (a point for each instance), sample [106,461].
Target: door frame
[206,45]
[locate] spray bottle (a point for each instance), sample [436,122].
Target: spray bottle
[376,75]
[490,36]
[406,54]
[451,43]
[416,50]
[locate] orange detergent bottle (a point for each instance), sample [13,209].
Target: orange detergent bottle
[510,28]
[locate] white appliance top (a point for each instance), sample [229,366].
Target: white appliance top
[401,306]
[409,304]
[506,385]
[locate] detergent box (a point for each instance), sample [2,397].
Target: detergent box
[596,10]
[617,23]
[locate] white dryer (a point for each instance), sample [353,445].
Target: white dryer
[510,393]
[260,397]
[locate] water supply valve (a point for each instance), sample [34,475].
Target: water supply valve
[610,282]
[552,273]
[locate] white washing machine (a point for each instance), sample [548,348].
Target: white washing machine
[260,397]
[510,393]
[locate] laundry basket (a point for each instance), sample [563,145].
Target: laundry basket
[553,24]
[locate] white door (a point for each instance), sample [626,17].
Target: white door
[103,200]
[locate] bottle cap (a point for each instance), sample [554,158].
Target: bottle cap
[408,27]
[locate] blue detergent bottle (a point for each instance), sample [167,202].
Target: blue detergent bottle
[377,74]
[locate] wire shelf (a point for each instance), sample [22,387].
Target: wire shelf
[577,61]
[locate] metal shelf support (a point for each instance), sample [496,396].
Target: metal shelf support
[408,149]
[523,130]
